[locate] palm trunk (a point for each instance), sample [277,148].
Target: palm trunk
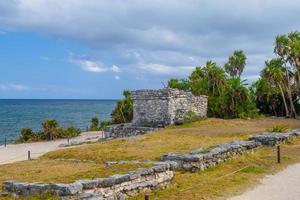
[289,91]
[284,101]
[293,110]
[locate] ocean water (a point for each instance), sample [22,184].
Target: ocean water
[16,114]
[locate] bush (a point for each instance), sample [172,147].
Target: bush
[51,130]
[94,124]
[278,129]
[123,111]
[68,132]
[105,124]
[26,135]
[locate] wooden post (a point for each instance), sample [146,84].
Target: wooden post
[147,197]
[28,155]
[68,139]
[278,154]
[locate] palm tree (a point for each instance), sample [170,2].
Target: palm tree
[287,47]
[236,64]
[50,127]
[275,74]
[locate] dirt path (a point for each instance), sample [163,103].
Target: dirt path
[18,152]
[284,185]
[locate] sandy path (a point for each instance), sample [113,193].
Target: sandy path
[18,152]
[284,185]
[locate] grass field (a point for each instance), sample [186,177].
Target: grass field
[199,185]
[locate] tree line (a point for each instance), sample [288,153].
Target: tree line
[275,93]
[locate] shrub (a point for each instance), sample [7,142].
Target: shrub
[94,124]
[105,124]
[50,129]
[278,129]
[123,111]
[26,135]
[69,132]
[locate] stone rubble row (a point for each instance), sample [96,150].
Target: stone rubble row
[115,187]
[273,138]
[193,161]
[119,187]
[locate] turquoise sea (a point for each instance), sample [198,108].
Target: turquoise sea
[16,114]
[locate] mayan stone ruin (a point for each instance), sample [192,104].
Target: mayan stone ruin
[159,108]
[154,109]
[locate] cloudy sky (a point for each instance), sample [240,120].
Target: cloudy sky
[96,48]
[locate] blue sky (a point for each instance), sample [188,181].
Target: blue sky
[96,49]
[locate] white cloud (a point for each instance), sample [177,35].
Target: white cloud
[117,77]
[13,87]
[170,33]
[160,69]
[115,68]
[92,66]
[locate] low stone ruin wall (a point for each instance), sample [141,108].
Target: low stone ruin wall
[273,139]
[206,158]
[119,187]
[115,187]
[125,130]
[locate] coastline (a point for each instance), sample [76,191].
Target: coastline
[19,152]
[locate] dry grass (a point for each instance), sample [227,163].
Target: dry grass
[230,178]
[200,185]
[177,138]
[49,171]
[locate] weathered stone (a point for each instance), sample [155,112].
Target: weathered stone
[159,108]
[273,139]
[192,161]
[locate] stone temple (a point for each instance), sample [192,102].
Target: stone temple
[154,109]
[159,108]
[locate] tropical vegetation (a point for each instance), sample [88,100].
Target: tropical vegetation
[275,93]
[51,130]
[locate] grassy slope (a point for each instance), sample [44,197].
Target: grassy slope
[230,178]
[182,139]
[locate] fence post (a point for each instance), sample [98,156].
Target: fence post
[147,197]
[278,154]
[68,140]
[28,155]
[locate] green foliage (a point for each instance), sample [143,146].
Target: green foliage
[278,129]
[276,92]
[69,132]
[94,124]
[105,124]
[51,130]
[228,97]
[26,134]
[181,84]
[123,111]
[187,118]
[236,64]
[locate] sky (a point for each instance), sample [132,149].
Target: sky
[79,49]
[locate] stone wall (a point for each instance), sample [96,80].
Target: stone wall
[205,158]
[115,187]
[159,108]
[273,139]
[119,187]
[125,130]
